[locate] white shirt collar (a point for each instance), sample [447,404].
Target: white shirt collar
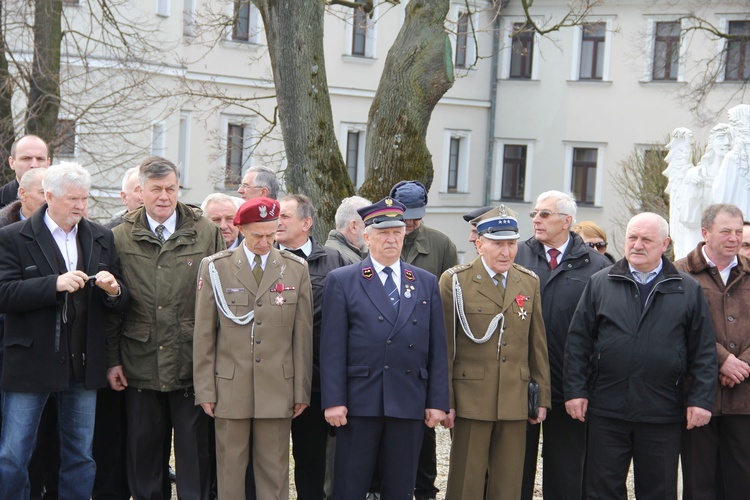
[396,267]
[306,248]
[251,258]
[52,226]
[169,225]
[493,273]
[724,273]
[561,248]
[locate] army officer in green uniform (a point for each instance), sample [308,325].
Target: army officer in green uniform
[496,345]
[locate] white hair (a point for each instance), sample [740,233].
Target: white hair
[129,174]
[566,203]
[221,198]
[65,175]
[347,211]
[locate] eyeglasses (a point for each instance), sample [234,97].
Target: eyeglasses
[248,186]
[543,213]
[599,245]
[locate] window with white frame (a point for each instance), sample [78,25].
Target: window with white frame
[461,26]
[183,154]
[361,32]
[158,139]
[236,141]
[247,24]
[737,52]
[162,8]
[521,52]
[591,50]
[666,54]
[353,137]
[583,162]
[188,17]
[456,161]
[65,138]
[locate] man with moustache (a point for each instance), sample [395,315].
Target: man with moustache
[383,360]
[150,347]
[496,345]
[725,279]
[640,328]
[253,352]
[30,151]
[220,209]
[564,264]
[59,279]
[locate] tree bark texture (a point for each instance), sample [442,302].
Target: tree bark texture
[7,132]
[44,85]
[418,72]
[315,167]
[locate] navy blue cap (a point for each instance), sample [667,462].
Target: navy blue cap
[500,223]
[385,213]
[413,195]
[468,217]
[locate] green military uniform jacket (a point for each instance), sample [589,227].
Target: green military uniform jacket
[153,340]
[486,384]
[429,249]
[261,369]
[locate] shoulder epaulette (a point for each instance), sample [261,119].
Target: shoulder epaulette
[524,270]
[290,255]
[219,255]
[459,268]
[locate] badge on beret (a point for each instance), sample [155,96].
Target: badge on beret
[262,211]
[367,273]
[409,275]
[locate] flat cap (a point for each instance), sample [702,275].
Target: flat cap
[413,195]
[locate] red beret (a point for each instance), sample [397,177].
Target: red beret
[257,210]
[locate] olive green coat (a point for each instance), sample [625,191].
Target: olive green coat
[153,340]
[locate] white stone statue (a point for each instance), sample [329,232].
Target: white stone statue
[682,194]
[707,171]
[732,183]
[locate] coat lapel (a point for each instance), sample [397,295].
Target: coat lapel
[373,287]
[407,304]
[274,271]
[484,283]
[88,237]
[243,272]
[42,245]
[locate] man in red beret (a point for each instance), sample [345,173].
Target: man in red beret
[252,355]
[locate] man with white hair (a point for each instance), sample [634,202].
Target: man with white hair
[30,198]
[641,329]
[259,181]
[564,264]
[59,278]
[220,209]
[348,237]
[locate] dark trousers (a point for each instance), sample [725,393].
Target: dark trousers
[726,441]
[563,456]
[357,445]
[309,435]
[111,481]
[151,416]
[653,448]
[424,487]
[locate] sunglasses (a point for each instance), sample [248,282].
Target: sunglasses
[543,213]
[599,245]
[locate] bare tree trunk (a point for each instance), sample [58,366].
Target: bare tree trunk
[294,30]
[7,133]
[418,72]
[44,97]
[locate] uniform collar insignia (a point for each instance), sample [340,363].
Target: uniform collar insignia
[367,273]
[409,275]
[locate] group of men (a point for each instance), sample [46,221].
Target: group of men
[233,328]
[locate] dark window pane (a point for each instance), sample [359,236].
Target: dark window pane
[738,52]
[65,138]
[453,164]
[352,155]
[235,135]
[241,20]
[592,51]
[583,182]
[521,52]
[666,51]
[359,33]
[514,172]
[462,40]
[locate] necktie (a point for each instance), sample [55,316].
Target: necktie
[160,232]
[553,253]
[390,288]
[257,269]
[500,287]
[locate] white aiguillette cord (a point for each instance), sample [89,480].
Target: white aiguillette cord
[221,301]
[458,310]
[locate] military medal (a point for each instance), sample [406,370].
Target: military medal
[520,299]
[279,288]
[408,289]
